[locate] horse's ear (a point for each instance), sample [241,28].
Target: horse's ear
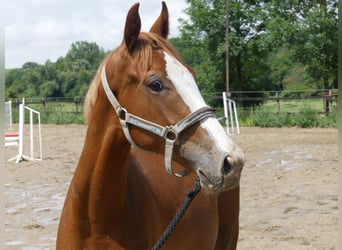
[132,27]
[161,26]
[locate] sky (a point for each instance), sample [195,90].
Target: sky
[38,30]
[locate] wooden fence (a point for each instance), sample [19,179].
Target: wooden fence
[52,105]
[329,98]
[75,105]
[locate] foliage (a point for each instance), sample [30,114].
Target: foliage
[306,117]
[316,47]
[69,76]
[265,117]
[287,73]
[60,118]
[205,32]
[273,45]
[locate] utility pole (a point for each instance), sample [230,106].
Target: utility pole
[227,48]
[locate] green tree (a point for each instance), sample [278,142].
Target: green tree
[79,66]
[287,73]
[317,47]
[204,33]
[259,31]
[310,29]
[69,76]
[30,65]
[49,88]
[84,55]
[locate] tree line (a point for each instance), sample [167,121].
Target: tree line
[69,76]
[273,46]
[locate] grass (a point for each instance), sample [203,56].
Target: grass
[293,106]
[302,113]
[306,113]
[306,117]
[53,117]
[62,118]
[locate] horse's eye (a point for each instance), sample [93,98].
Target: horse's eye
[156,86]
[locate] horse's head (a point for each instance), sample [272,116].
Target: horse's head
[156,98]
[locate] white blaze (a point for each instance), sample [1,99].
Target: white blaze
[184,82]
[187,88]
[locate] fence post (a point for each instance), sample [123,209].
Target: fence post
[326,104]
[278,102]
[17,104]
[330,98]
[76,103]
[44,108]
[224,97]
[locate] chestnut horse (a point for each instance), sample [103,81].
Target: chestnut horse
[145,98]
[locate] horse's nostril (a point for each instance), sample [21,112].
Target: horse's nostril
[227,167]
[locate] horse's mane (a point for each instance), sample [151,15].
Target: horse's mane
[142,58]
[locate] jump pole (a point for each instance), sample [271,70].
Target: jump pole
[229,113]
[32,111]
[20,157]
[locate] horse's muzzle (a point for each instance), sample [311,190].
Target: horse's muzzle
[227,177]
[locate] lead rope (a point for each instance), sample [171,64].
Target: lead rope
[171,227]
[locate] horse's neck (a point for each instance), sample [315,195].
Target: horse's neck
[103,166]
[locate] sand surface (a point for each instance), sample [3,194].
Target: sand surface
[289,185]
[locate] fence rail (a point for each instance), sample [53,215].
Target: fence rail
[75,105]
[51,105]
[329,98]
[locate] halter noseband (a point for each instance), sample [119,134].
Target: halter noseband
[169,133]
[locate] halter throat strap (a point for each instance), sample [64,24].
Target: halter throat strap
[169,133]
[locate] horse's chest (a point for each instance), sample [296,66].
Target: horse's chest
[147,218]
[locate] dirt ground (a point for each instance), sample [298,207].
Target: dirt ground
[289,184]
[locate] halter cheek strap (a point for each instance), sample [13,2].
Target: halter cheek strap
[169,133]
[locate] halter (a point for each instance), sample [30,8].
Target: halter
[169,133]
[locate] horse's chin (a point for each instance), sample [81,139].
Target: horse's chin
[219,184]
